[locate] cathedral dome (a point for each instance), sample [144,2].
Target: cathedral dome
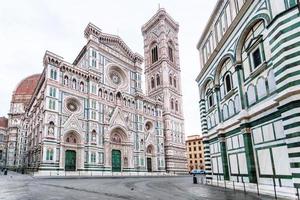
[3,122]
[25,89]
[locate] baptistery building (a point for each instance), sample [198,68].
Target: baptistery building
[249,94]
[92,114]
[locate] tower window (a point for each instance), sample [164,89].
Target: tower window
[174,82]
[210,100]
[176,105]
[152,83]
[157,79]
[172,104]
[170,79]
[170,51]
[154,54]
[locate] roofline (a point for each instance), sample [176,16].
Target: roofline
[208,24]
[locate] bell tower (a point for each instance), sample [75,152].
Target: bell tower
[163,83]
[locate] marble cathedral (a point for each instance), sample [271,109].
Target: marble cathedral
[92,114]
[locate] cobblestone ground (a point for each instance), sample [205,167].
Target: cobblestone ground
[23,187]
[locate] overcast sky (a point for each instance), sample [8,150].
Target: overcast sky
[29,28]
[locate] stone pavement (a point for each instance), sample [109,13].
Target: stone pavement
[24,187]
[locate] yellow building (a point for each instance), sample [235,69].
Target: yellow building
[195,155]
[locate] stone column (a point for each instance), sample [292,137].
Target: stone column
[239,71]
[223,149]
[249,153]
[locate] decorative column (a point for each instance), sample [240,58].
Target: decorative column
[239,71]
[249,153]
[223,149]
[218,96]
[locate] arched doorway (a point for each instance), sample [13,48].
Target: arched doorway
[150,151]
[116,160]
[71,142]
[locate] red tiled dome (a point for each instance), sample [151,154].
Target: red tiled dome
[25,89]
[27,85]
[3,122]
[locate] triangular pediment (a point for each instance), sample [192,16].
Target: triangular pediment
[72,124]
[118,119]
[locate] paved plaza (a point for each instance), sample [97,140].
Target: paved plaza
[16,186]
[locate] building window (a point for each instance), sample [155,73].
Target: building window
[152,83]
[93,157]
[199,148]
[157,79]
[1,152]
[210,100]
[195,149]
[175,82]
[53,74]
[228,83]
[176,106]
[190,149]
[194,143]
[170,51]
[154,54]
[170,79]
[200,155]
[172,104]
[195,155]
[49,154]
[51,104]
[52,92]
[190,155]
[189,143]
[256,56]
[94,134]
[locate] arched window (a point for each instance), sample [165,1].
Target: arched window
[170,80]
[111,97]
[94,134]
[81,86]
[261,88]
[157,79]
[66,80]
[152,83]
[225,112]
[210,100]
[176,105]
[251,95]
[228,82]
[231,108]
[208,123]
[271,81]
[100,92]
[154,54]
[237,104]
[49,154]
[170,53]
[172,104]
[252,50]
[174,82]
[216,114]
[74,82]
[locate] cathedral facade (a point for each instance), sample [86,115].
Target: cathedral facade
[92,114]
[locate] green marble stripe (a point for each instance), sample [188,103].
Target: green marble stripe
[293,135]
[295,164]
[294,155]
[285,58]
[288,66]
[296,175]
[291,116]
[292,125]
[283,31]
[284,40]
[293,145]
[289,106]
[289,75]
[288,85]
[275,28]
